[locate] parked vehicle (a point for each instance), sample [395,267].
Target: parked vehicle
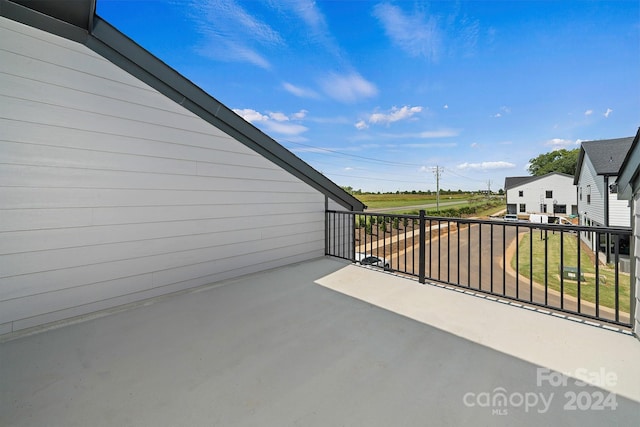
[374,261]
[511,217]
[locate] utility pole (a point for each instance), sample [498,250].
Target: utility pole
[488,188]
[437,171]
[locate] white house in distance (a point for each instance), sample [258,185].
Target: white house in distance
[120,180]
[628,189]
[553,193]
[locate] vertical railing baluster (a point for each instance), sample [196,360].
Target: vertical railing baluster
[421,265]
[491,256]
[449,251]
[439,230]
[562,272]
[597,262]
[517,235]
[469,255]
[546,267]
[430,231]
[504,261]
[579,279]
[531,265]
[479,256]
[458,252]
[616,248]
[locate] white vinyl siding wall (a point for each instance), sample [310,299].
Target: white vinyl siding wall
[111,193]
[564,192]
[636,260]
[589,179]
[618,209]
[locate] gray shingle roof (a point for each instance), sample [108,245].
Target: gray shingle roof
[516,181]
[606,155]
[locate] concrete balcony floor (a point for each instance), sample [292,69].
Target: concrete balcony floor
[321,343]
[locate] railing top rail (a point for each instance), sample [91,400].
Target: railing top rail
[524,224]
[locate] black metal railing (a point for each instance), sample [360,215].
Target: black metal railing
[574,269]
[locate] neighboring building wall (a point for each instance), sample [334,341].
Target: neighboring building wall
[636,260]
[534,192]
[591,209]
[618,209]
[112,193]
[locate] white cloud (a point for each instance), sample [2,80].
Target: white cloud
[394,115]
[503,110]
[428,134]
[486,165]
[608,112]
[300,92]
[417,34]
[588,112]
[289,129]
[559,143]
[445,106]
[273,122]
[348,88]
[279,117]
[429,145]
[250,115]
[474,144]
[443,133]
[361,125]
[299,115]
[317,30]
[229,33]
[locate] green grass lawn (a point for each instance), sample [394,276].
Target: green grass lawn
[375,201]
[587,268]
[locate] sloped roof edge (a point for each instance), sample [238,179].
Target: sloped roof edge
[515,181]
[629,171]
[107,41]
[598,151]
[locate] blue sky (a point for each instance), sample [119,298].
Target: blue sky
[377,94]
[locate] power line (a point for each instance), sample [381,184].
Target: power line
[373,179]
[326,150]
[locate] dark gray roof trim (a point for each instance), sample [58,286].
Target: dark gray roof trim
[48,16]
[78,13]
[516,181]
[113,45]
[629,171]
[606,155]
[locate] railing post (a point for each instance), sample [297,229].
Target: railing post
[421,261]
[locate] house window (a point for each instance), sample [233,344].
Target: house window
[523,207]
[549,194]
[561,209]
[521,193]
[580,191]
[588,194]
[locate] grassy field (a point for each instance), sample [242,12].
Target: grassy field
[376,201]
[463,205]
[587,268]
